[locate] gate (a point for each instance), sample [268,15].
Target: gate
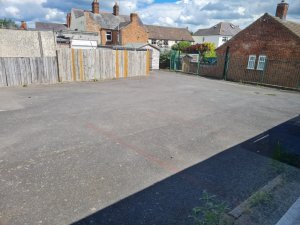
[175,61]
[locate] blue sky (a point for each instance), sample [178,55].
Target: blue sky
[193,14]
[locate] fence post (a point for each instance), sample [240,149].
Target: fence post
[264,72]
[226,64]
[198,66]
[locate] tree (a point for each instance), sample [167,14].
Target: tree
[181,46]
[7,23]
[206,49]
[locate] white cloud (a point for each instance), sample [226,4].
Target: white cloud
[183,13]
[13,11]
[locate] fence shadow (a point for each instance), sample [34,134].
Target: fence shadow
[232,176]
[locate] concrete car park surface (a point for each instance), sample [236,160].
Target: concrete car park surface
[73,150]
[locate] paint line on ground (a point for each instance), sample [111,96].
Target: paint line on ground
[261,138]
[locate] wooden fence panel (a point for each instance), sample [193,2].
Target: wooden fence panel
[24,71]
[73,65]
[100,64]
[3,81]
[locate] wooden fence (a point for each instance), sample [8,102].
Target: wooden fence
[74,65]
[23,71]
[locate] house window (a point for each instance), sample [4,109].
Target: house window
[166,42]
[108,36]
[251,62]
[261,62]
[203,39]
[153,41]
[224,39]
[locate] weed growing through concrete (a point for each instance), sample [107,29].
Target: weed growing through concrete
[211,213]
[260,198]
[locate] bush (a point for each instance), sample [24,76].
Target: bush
[164,60]
[181,46]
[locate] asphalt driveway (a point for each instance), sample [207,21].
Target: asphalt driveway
[75,149]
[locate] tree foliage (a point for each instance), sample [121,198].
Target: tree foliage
[181,46]
[206,49]
[7,23]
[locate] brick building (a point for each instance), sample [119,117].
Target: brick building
[113,28]
[267,51]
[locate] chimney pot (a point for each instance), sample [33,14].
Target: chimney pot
[95,7]
[134,17]
[282,10]
[23,25]
[116,9]
[69,20]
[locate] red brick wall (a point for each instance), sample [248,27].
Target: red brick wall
[267,37]
[134,33]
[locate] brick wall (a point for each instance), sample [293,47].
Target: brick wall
[91,26]
[213,71]
[134,33]
[266,36]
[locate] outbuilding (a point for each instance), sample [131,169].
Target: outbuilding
[155,52]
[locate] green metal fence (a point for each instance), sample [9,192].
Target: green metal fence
[275,72]
[175,61]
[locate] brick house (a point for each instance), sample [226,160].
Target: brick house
[267,51]
[113,28]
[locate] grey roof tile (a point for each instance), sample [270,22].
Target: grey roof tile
[168,33]
[50,26]
[223,28]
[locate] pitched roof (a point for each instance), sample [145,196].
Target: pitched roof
[223,28]
[292,26]
[168,33]
[50,26]
[106,20]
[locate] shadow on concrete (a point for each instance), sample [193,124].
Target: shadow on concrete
[232,176]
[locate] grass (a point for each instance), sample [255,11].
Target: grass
[260,197]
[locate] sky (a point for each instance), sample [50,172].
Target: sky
[193,14]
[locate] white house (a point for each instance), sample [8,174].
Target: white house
[217,34]
[165,37]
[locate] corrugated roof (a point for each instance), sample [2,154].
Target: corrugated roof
[50,26]
[292,26]
[168,33]
[222,28]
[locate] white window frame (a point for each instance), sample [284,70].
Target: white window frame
[108,34]
[225,39]
[166,42]
[153,41]
[251,62]
[261,64]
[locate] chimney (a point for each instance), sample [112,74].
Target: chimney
[134,17]
[282,9]
[23,25]
[116,9]
[95,7]
[68,20]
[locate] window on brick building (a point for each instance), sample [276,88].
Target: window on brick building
[261,62]
[108,36]
[153,41]
[224,39]
[251,62]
